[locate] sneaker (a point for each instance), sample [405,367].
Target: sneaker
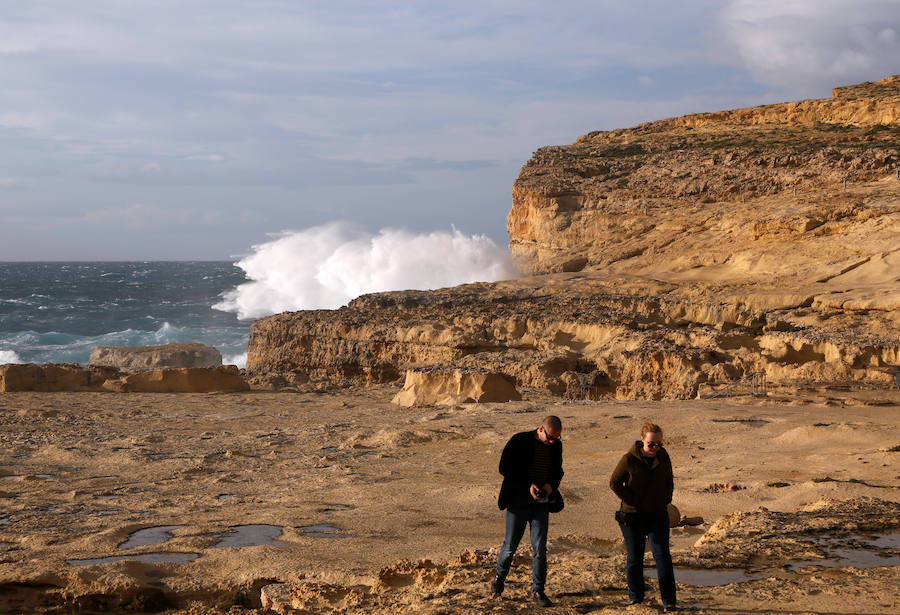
[497,586]
[634,602]
[670,608]
[541,599]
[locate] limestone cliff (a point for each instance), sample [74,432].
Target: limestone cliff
[672,258]
[612,195]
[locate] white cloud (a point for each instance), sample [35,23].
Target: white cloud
[207,157]
[813,45]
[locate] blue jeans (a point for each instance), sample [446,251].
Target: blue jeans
[538,516]
[636,535]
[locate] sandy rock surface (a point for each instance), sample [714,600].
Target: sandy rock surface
[446,387]
[178,355]
[367,507]
[54,377]
[225,378]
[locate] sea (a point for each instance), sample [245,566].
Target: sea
[58,312]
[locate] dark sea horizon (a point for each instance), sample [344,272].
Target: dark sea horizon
[58,311]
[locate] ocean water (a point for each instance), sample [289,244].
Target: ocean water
[58,312]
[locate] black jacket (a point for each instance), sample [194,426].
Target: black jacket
[515,466]
[645,488]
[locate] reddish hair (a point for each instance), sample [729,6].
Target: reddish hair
[649,427]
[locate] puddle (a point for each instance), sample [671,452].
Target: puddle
[369,454]
[711,578]
[149,536]
[146,558]
[224,496]
[867,555]
[322,530]
[250,536]
[4,521]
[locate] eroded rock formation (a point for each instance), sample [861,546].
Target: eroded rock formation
[453,386]
[672,258]
[182,354]
[53,377]
[185,380]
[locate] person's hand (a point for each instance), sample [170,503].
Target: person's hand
[536,492]
[548,489]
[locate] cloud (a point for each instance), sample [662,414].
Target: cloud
[136,217]
[813,45]
[207,157]
[8,183]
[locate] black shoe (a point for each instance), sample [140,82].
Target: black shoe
[541,599]
[633,602]
[497,586]
[670,608]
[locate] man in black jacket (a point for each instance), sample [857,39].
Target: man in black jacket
[531,465]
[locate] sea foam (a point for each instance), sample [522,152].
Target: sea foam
[9,356]
[327,266]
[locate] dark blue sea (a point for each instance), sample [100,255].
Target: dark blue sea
[58,312]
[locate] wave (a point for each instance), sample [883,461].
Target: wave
[327,266]
[8,356]
[238,359]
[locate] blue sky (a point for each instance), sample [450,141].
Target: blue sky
[156,129]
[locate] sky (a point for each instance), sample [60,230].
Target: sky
[195,129]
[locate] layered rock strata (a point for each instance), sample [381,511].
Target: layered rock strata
[438,386]
[224,378]
[50,377]
[674,258]
[612,196]
[57,377]
[178,355]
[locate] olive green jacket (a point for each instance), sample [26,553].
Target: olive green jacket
[644,488]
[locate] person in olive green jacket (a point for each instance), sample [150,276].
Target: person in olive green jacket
[643,481]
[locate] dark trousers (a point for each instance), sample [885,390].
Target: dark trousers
[636,535]
[538,517]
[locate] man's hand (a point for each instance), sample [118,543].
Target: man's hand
[538,493]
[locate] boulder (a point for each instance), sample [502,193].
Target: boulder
[225,378]
[133,358]
[54,377]
[453,386]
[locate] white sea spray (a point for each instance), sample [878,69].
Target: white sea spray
[327,266]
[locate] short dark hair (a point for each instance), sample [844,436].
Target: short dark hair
[552,423]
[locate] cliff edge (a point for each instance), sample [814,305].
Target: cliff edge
[668,260]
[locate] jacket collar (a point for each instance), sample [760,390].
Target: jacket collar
[636,451]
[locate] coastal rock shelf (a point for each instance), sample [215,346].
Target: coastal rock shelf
[673,259]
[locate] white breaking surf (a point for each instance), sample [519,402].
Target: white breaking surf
[327,266]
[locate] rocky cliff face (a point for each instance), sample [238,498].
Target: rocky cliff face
[674,257]
[593,202]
